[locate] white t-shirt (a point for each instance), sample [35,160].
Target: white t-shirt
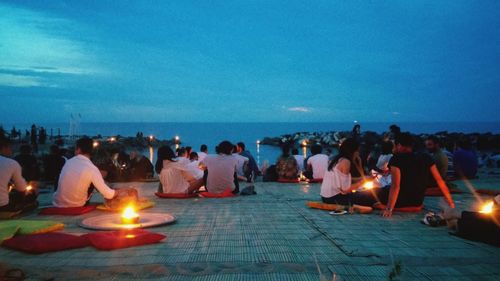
[241,160]
[319,163]
[10,169]
[195,170]
[201,156]
[335,182]
[221,169]
[76,176]
[300,161]
[174,176]
[383,162]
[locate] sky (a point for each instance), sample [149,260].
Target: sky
[255,61]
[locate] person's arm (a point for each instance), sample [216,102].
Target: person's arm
[344,166]
[101,186]
[393,192]
[19,182]
[442,185]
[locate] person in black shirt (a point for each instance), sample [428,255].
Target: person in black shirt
[410,173]
[52,164]
[29,163]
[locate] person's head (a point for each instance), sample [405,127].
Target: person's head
[241,147]
[189,149]
[348,149]
[432,144]
[182,152]
[5,147]
[193,156]
[295,151]
[164,153]
[403,143]
[395,129]
[356,128]
[204,148]
[84,146]
[316,149]
[285,150]
[235,149]
[225,147]
[387,147]
[25,149]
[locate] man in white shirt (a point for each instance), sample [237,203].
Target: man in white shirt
[299,158]
[317,163]
[221,170]
[20,198]
[203,152]
[241,164]
[77,175]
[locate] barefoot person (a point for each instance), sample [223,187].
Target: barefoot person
[77,176]
[337,187]
[20,198]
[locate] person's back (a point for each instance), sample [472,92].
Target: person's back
[221,169]
[319,165]
[241,163]
[415,172]
[9,170]
[465,163]
[52,165]
[299,158]
[173,177]
[141,168]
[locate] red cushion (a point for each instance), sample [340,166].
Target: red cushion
[71,211]
[436,191]
[227,193]
[490,192]
[46,242]
[111,240]
[316,181]
[288,180]
[176,195]
[413,209]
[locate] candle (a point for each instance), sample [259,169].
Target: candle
[112,139]
[151,154]
[130,216]
[95,144]
[368,185]
[151,137]
[487,208]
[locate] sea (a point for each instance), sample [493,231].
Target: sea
[196,134]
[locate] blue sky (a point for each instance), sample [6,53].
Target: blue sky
[155,61]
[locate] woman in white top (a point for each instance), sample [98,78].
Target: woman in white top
[175,176]
[337,187]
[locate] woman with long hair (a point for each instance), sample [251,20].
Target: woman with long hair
[286,165]
[175,176]
[337,187]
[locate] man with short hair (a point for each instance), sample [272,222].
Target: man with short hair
[253,168]
[241,164]
[77,175]
[434,148]
[317,164]
[20,198]
[221,169]
[203,152]
[410,173]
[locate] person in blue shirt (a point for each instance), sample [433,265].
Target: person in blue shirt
[465,160]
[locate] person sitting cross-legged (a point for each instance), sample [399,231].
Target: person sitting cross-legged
[20,198]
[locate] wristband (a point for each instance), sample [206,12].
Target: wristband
[388,209]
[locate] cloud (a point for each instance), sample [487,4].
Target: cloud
[36,49]
[299,109]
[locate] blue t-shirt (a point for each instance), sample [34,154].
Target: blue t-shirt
[465,163]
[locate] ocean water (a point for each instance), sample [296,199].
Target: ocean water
[195,134]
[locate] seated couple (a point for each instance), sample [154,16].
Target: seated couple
[79,177]
[20,198]
[409,172]
[177,176]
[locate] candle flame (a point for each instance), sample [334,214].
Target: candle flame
[130,213]
[95,144]
[487,208]
[368,185]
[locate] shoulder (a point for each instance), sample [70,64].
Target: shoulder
[10,162]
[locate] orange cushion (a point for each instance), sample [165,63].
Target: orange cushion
[176,195]
[227,193]
[71,211]
[323,206]
[413,209]
[120,239]
[46,242]
[316,181]
[288,180]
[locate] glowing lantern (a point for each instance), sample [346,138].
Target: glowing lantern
[130,216]
[368,185]
[487,208]
[95,144]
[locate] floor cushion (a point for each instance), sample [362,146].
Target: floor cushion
[9,214]
[139,205]
[316,180]
[227,193]
[8,232]
[412,209]
[288,180]
[71,211]
[111,240]
[176,195]
[32,226]
[46,242]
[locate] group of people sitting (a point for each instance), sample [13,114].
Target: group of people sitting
[217,173]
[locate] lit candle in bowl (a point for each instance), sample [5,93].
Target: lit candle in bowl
[368,185]
[130,216]
[487,208]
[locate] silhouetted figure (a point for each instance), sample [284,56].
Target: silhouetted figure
[140,166]
[43,136]
[28,162]
[52,164]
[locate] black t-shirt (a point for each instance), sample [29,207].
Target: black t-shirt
[415,173]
